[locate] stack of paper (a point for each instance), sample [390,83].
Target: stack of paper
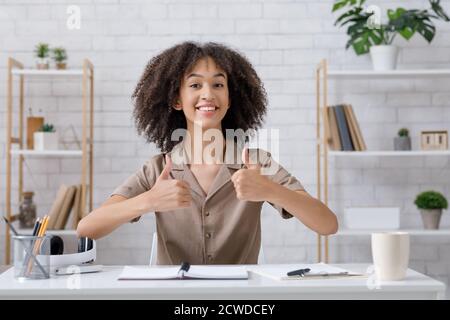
[317,271]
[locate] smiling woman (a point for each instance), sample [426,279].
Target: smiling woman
[180,74]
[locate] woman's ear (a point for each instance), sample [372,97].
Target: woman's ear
[178,105]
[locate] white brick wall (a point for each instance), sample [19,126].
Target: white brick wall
[284,40]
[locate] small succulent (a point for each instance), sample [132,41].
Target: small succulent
[59,54]
[431,200]
[403,132]
[47,127]
[42,50]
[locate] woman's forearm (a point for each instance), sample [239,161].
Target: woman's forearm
[310,211]
[105,219]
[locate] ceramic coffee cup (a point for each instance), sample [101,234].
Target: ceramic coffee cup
[390,253]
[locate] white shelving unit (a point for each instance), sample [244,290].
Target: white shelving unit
[413,232]
[47,153]
[390,73]
[322,77]
[49,72]
[412,153]
[16,70]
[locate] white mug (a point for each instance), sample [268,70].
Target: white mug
[390,253]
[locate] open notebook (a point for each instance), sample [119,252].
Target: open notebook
[317,271]
[186,271]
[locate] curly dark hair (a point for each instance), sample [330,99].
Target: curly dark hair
[159,87]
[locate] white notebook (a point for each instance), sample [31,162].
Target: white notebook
[317,271]
[193,272]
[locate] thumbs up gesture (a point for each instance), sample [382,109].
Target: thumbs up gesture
[249,184]
[167,193]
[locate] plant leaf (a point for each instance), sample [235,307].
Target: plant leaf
[436,7]
[342,3]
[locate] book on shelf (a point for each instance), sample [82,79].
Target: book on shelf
[333,139]
[75,209]
[56,206]
[344,130]
[67,204]
[359,135]
[65,208]
[351,128]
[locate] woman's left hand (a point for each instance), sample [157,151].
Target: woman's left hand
[249,183]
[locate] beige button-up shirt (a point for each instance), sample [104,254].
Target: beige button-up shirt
[218,228]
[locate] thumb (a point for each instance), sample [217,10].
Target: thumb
[165,174]
[246,160]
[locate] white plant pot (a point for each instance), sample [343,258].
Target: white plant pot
[384,57]
[45,141]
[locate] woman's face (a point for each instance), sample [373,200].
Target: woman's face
[204,95]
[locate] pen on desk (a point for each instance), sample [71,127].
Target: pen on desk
[299,272]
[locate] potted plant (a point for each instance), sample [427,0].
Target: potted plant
[430,204]
[42,51]
[403,141]
[60,57]
[368,34]
[46,138]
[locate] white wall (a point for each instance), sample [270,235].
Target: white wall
[284,40]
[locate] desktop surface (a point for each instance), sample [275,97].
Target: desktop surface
[104,285]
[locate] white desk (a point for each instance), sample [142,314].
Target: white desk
[104,285]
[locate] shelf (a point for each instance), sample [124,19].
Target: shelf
[388,153]
[414,232]
[56,153]
[389,73]
[49,72]
[59,232]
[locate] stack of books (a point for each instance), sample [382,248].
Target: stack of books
[344,132]
[67,203]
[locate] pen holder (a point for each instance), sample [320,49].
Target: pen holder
[31,257]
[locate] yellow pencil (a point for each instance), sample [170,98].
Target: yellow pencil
[43,228]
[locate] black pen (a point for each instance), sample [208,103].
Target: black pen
[299,272]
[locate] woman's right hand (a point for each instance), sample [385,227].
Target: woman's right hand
[167,193]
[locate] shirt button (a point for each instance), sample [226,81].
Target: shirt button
[207,213]
[208,235]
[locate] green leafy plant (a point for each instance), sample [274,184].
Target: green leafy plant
[47,127]
[364,32]
[431,200]
[403,132]
[42,50]
[59,54]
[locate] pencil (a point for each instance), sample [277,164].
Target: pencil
[43,228]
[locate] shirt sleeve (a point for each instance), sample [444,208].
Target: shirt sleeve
[139,182]
[280,175]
